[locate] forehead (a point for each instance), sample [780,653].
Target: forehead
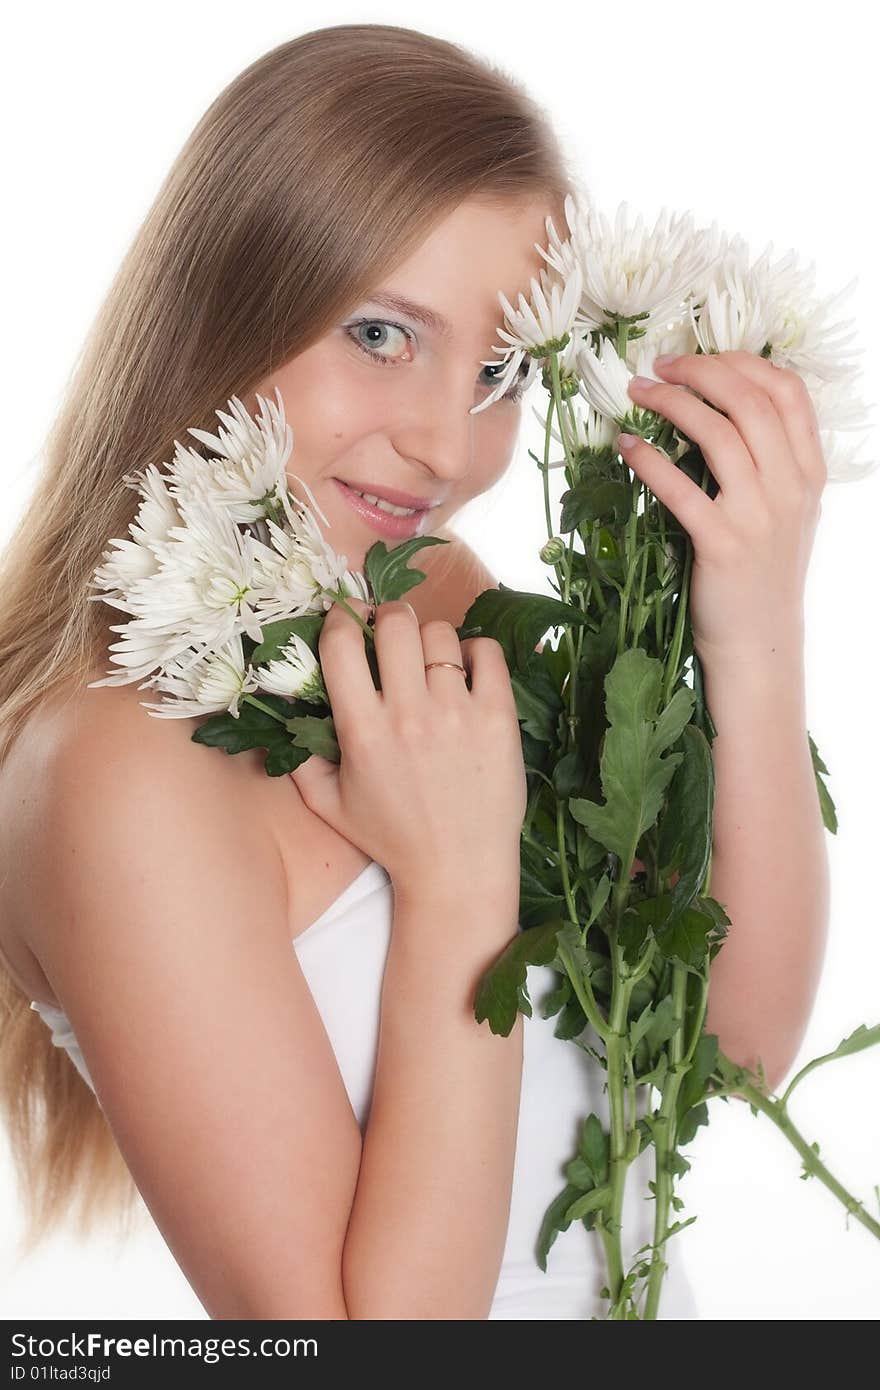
[453,275]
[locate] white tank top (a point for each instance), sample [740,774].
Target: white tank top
[342,955]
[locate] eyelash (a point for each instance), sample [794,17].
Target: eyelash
[513,393]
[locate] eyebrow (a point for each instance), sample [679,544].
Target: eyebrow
[388,299]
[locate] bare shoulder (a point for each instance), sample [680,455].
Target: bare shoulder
[101,734]
[92,749]
[455,577]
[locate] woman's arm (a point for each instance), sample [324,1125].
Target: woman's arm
[429,1219]
[769,856]
[769,861]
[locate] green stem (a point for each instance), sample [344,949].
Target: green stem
[665,1138]
[622,1148]
[584,993]
[775,1110]
[557,408]
[258,704]
[340,599]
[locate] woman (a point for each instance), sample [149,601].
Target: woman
[324,1132]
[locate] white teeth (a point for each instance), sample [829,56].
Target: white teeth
[383,505]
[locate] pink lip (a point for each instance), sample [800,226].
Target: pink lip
[398,527]
[397,499]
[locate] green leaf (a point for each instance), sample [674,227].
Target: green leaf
[678,1226]
[316,734]
[517,620]
[252,729]
[594,1147]
[537,701]
[536,903]
[554,1001]
[282,757]
[496,994]
[857,1041]
[608,499]
[278,634]
[829,810]
[678,1164]
[686,939]
[698,1115]
[386,570]
[590,1201]
[694,1084]
[656,1023]
[580,1174]
[657,1075]
[572,1020]
[685,839]
[634,775]
[553,1222]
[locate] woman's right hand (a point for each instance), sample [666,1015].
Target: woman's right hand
[431,781]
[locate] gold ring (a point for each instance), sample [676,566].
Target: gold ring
[454,664]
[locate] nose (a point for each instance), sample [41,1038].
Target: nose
[433,422]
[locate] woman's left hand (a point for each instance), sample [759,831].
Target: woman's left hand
[752,542]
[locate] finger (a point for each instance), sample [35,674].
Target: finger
[317,781]
[794,404]
[719,441]
[344,665]
[757,426]
[440,642]
[490,676]
[400,655]
[671,486]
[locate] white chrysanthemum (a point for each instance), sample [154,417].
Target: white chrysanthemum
[140,651]
[605,378]
[212,684]
[587,430]
[297,570]
[136,559]
[842,461]
[628,271]
[839,412]
[248,474]
[671,337]
[541,325]
[751,307]
[200,596]
[734,314]
[838,407]
[296,674]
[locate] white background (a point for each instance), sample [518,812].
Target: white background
[762,116]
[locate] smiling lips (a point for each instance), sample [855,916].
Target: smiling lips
[389,518]
[392,496]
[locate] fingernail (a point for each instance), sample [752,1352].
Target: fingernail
[626,441]
[642,383]
[666,359]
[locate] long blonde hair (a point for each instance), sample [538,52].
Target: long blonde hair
[310,175]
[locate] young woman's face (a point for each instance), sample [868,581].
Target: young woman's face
[400,421]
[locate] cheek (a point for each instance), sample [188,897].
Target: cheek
[495,440]
[328,414]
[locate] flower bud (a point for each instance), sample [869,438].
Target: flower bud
[553,550]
